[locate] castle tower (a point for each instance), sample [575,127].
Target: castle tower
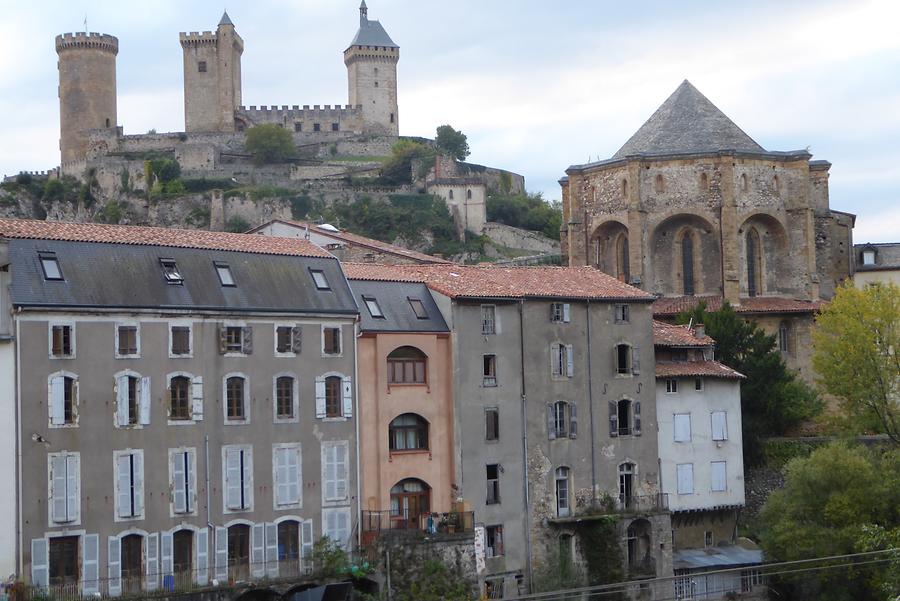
[212,77]
[371,63]
[87,89]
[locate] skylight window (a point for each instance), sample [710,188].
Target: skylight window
[224,271]
[170,270]
[418,308]
[318,277]
[372,306]
[51,267]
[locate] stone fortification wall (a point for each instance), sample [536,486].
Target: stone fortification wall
[513,237]
[305,119]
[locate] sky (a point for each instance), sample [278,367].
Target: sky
[535,85]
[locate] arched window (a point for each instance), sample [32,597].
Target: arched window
[469,194]
[638,537]
[562,492]
[626,484]
[238,552]
[406,365]
[784,344]
[450,194]
[687,263]
[660,183]
[289,546]
[235,396]
[132,558]
[744,184]
[622,267]
[624,188]
[776,184]
[410,498]
[408,432]
[183,558]
[754,263]
[180,398]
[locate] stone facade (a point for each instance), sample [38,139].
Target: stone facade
[212,77]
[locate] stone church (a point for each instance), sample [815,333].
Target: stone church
[691,208]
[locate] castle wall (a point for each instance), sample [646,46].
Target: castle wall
[325,120]
[513,237]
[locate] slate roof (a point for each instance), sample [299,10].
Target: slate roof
[692,369]
[711,557]
[887,256]
[666,334]
[371,33]
[393,300]
[466,281]
[129,276]
[157,236]
[669,306]
[225,20]
[687,123]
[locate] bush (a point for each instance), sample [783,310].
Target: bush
[397,169]
[237,225]
[526,211]
[269,143]
[162,170]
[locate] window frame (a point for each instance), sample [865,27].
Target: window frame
[489,325]
[74,394]
[224,269]
[421,429]
[51,326]
[622,313]
[320,281]
[491,534]
[247,484]
[190,490]
[295,398]
[626,370]
[76,519]
[234,421]
[295,448]
[171,273]
[562,474]
[187,399]
[295,341]
[489,380]
[403,362]
[45,258]
[492,489]
[331,378]
[686,468]
[340,339]
[712,476]
[369,302]
[560,312]
[424,311]
[137,339]
[675,428]
[671,385]
[712,428]
[137,497]
[496,430]
[190,333]
[336,499]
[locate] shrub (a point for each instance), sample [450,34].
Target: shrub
[269,143]
[237,225]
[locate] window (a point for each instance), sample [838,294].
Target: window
[224,273]
[334,397]
[286,397]
[65,484]
[418,308]
[183,556]
[286,465]
[63,561]
[129,484]
[623,269]
[235,398]
[408,432]
[335,127]
[562,491]
[671,386]
[698,384]
[562,364]
[751,578]
[687,264]
[492,472]
[317,127]
[623,313]
[488,320]
[450,194]
[298,127]
[183,478]
[62,341]
[319,278]
[237,465]
[331,340]
[335,470]
[719,425]
[127,341]
[754,263]
[180,337]
[406,365]
[62,393]
[682,427]
[493,541]
[624,418]
[623,359]
[373,307]
[704,182]
[717,481]
[201,66]
[170,271]
[783,338]
[235,339]
[288,542]
[237,552]
[491,424]
[868,257]
[179,398]
[660,184]
[560,312]
[624,408]
[685,478]
[626,484]
[489,370]
[562,420]
[392,117]
[132,399]
[50,266]
[287,340]
[131,562]
[336,525]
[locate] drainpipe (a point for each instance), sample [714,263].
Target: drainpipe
[20,525]
[358,333]
[209,523]
[528,566]
[590,376]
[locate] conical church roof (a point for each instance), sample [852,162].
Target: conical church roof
[687,123]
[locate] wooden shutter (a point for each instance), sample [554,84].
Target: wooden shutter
[306,540]
[138,462]
[330,476]
[114,565]
[347,386]
[232,480]
[570,361]
[40,562]
[145,401]
[637,417]
[90,565]
[179,492]
[152,556]
[258,550]
[613,419]
[247,341]
[221,554]
[635,360]
[271,550]
[341,471]
[58,400]
[566,312]
[573,420]
[685,473]
[202,537]
[296,340]
[123,485]
[320,397]
[223,341]
[682,427]
[551,421]
[73,495]
[282,492]
[197,398]
[555,367]
[247,479]
[165,554]
[122,400]
[293,475]
[58,488]
[717,476]
[719,425]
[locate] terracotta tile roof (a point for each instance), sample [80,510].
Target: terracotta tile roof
[358,240]
[673,305]
[503,282]
[665,334]
[706,369]
[157,236]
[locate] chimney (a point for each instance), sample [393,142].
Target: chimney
[699,331]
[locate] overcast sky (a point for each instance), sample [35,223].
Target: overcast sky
[535,85]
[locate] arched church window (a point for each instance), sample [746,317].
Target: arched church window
[687,264]
[776,185]
[744,183]
[624,188]
[622,267]
[754,263]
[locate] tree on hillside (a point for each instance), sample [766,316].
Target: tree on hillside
[772,398]
[452,142]
[856,353]
[839,500]
[269,143]
[398,168]
[528,211]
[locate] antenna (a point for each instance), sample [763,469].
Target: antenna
[85,23]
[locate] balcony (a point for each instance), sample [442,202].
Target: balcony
[609,505]
[378,523]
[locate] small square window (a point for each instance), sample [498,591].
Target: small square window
[61,341]
[317,127]
[51,267]
[234,339]
[418,308]
[287,339]
[127,341]
[671,386]
[374,309]
[318,277]
[622,314]
[490,370]
[331,343]
[170,271]
[298,127]
[335,127]
[181,340]
[559,312]
[201,66]
[224,272]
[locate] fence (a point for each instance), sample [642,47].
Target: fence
[376,522]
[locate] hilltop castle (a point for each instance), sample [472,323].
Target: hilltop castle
[212,88]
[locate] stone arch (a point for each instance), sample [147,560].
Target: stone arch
[639,545]
[672,239]
[765,260]
[610,251]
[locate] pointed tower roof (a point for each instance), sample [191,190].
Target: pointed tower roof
[371,33]
[687,123]
[225,20]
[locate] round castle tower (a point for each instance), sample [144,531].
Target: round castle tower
[87,89]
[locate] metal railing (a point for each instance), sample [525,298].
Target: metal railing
[643,503]
[375,522]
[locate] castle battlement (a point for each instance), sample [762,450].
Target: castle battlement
[194,38]
[82,39]
[297,111]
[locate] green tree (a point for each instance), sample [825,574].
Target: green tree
[839,500]
[269,143]
[398,168]
[437,583]
[452,142]
[528,211]
[772,399]
[856,353]
[237,225]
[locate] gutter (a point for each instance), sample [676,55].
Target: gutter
[591,407]
[527,517]
[358,333]
[20,543]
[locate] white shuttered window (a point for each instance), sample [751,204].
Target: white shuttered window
[237,468]
[183,480]
[336,525]
[682,425]
[129,466]
[65,484]
[719,425]
[335,470]
[685,473]
[717,473]
[287,475]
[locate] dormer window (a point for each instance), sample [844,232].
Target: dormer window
[170,271]
[318,277]
[418,308]
[373,307]
[868,257]
[224,272]
[50,266]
